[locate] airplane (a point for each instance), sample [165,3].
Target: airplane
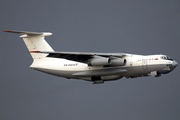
[94,67]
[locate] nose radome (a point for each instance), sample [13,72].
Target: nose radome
[174,64]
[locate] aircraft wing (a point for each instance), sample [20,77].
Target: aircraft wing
[83,57]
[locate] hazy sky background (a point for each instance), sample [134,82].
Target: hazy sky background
[139,27]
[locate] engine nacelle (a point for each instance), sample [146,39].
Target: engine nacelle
[100,61]
[103,61]
[118,62]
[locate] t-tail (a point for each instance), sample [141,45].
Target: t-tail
[35,42]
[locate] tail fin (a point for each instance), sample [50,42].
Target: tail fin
[35,42]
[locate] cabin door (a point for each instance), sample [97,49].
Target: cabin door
[144,65]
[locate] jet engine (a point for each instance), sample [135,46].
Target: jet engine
[103,61]
[118,62]
[100,61]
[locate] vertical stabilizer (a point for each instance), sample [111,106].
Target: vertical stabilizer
[35,42]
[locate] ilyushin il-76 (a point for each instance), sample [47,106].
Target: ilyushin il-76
[94,67]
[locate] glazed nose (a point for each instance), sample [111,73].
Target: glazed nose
[174,64]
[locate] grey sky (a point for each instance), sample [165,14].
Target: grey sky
[139,27]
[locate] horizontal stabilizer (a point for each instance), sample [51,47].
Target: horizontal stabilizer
[29,33]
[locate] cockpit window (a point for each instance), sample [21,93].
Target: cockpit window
[165,57]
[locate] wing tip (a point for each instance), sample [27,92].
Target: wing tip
[7,31]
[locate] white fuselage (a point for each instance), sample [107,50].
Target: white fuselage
[136,66]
